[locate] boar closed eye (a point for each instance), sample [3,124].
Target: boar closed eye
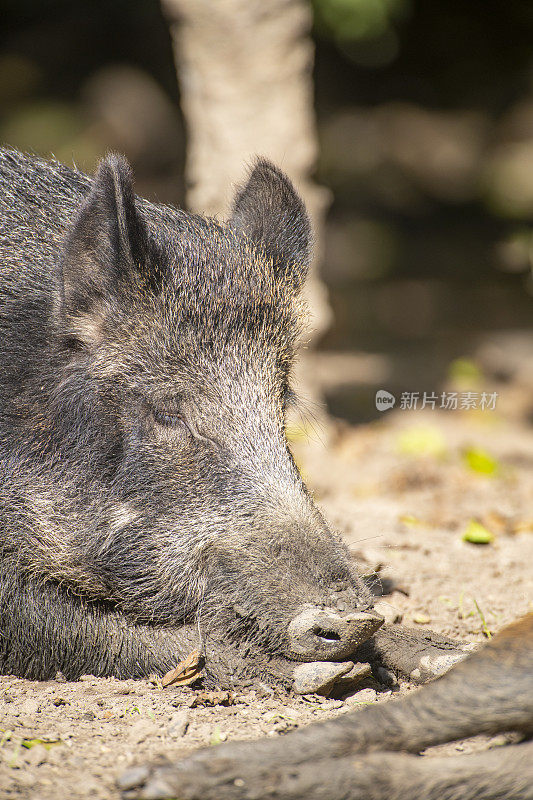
[167,419]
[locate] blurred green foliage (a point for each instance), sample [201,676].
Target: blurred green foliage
[464,374]
[364,30]
[358,19]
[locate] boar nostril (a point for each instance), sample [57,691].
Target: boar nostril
[329,636]
[322,634]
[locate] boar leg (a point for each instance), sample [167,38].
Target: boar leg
[45,628]
[489,692]
[502,774]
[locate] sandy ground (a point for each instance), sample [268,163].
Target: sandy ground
[402,492]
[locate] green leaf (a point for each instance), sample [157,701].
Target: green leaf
[484,626]
[480,461]
[476,533]
[47,742]
[410,519]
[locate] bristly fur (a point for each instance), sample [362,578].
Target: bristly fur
[144,472]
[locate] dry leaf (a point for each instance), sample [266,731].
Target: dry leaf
[188,671]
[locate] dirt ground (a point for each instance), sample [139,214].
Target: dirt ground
[402,492]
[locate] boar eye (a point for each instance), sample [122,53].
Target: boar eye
[167,418]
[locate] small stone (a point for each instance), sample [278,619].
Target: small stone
[179,724]
[363,696]
[285,726]
[333,704]
[386,676]
[388,612]
[132,778]
[60,701]
[421,619]
[59,677]
[358,672]
[318,677]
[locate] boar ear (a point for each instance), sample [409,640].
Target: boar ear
[107,243]
[269,211]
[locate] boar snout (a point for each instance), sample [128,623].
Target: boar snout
[318,634]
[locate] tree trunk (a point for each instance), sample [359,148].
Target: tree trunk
[245,71]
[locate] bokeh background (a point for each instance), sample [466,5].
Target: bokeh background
[411,138]
[424,114]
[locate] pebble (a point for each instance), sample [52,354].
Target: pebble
[319,676]
[386,676]
[357,673]
[333,704]
[132,778]
[388,612]
[422,619]
[179,724]
[362,696]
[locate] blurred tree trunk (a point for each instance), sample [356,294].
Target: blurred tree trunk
[245,71]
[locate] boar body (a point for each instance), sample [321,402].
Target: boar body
[148,498]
